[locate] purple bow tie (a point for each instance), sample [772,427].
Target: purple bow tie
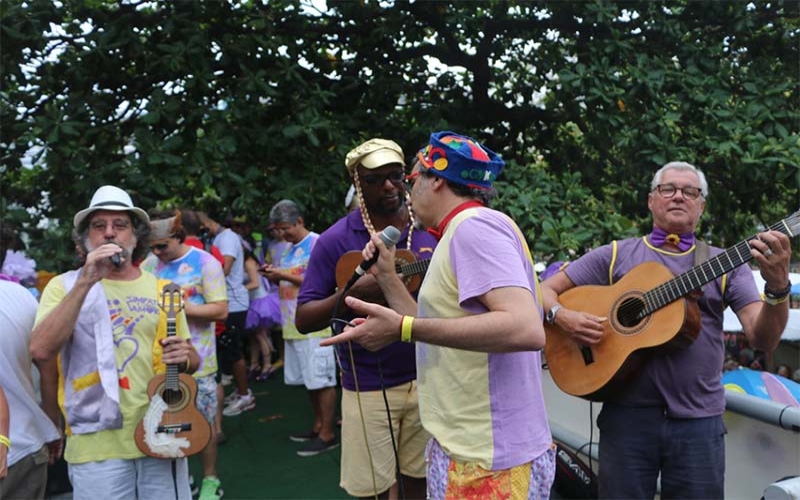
[684,241]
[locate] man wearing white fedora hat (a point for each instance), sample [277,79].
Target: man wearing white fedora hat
[103,323]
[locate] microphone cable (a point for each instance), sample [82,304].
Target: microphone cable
[337,326]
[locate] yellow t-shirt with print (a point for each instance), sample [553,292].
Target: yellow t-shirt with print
[134,309]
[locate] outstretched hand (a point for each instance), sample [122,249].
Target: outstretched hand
[380,328]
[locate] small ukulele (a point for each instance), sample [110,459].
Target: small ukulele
[172,426]
[405,263]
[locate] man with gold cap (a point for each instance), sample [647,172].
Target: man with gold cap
[477,327]
[376,168]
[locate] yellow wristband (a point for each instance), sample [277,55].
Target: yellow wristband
[405,330]
[4,440]
[188,364]
[775,302]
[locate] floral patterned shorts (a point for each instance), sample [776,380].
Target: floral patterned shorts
[448,479]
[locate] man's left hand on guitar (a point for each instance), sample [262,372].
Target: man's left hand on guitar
[772,250]
[178,351]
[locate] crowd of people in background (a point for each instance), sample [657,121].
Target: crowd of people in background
[255,302]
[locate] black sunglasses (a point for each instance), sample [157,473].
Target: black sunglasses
[159,247]
[395,177]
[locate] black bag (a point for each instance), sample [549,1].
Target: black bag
[574,479]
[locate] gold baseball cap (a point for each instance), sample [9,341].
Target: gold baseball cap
[374,153]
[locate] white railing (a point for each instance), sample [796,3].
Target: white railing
[762,444]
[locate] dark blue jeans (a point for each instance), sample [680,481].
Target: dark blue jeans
[638,443]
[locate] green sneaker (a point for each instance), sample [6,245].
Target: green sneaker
[211,489]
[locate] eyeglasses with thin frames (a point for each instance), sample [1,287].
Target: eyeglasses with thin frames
[669,190]
[118,225]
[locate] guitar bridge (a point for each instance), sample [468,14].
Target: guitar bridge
[173,428]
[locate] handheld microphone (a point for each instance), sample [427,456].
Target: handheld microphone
[389,236]
[116,259]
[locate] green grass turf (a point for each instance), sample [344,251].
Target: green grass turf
[259,461]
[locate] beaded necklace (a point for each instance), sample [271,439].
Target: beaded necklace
[365,216]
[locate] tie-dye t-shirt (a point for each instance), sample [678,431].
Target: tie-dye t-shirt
[202,281]
[295,259]
[134,309]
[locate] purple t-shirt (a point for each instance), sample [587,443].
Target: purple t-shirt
[687,382]
[398,362]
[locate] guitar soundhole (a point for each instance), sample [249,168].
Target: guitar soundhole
[628,311]
[176,399]
[171,396]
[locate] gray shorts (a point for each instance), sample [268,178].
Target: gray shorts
[118,479]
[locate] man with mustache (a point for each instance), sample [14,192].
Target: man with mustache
[102,323]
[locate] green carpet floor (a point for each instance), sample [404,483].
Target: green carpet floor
[259,461]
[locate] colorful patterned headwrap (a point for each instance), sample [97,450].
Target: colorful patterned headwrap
[461,159]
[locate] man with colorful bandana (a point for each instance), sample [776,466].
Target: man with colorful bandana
[377,170]
[104,323]
[477,328]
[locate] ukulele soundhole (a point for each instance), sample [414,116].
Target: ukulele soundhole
[176,399]
[627,314]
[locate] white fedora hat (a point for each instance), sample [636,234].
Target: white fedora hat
[110,198]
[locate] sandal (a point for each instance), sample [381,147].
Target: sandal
[265,375]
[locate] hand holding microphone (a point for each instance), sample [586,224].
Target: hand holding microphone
[389,236]
[116,259]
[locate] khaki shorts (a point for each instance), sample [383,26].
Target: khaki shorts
[411,439]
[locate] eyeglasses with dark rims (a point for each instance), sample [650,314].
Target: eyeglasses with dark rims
[669,190]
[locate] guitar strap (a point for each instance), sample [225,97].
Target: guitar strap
[701,252]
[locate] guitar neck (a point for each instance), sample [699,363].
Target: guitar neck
[172,376]
[416,267]
[694,278]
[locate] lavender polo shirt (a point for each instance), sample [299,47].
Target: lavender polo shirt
[687,382]
[397,360]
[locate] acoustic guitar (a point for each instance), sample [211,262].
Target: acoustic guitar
[405,263]
[173,426]
[649,311]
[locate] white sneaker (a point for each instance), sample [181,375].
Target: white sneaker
[226,380]
[240,404]
[230,398]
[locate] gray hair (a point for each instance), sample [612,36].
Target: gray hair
[681,165]
[141,231]
[285,212]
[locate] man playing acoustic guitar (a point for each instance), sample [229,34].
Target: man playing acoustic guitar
[103,322]
[376,168]
[667,418]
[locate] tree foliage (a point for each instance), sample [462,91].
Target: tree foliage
[233,105]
